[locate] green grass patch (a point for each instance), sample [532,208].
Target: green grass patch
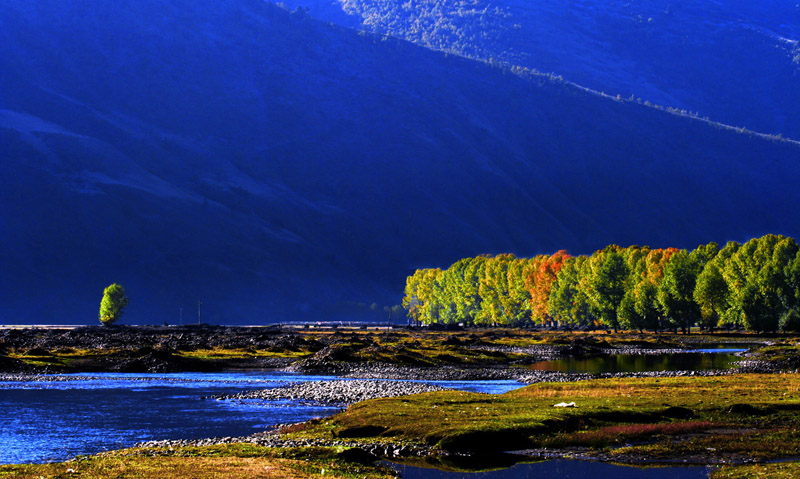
[664,411]
[624,433]
[777,470]
[759,445]
[240,353]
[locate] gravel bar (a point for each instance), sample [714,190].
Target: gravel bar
[273,439]
[336,392]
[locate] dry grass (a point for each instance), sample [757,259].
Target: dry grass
[163,467]
[200,463]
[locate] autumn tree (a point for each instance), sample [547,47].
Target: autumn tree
[755,285]
[540,282]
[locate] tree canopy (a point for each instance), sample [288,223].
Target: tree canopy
[112,304]
[754,286]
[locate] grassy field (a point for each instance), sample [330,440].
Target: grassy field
[752,416]
[237,461]
[780,470]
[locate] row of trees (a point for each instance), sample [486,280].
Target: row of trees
[755,286]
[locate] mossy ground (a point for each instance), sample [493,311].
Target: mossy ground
[230,461]
[242,353]
[778,470]
[753,416]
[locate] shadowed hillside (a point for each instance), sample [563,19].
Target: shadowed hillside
[736,61]
[279,168]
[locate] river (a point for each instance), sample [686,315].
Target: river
[67,415]
[42,421]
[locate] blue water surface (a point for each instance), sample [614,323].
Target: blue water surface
[86,414]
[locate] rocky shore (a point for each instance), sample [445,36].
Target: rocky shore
[392,374]
[336,392]
[375,450]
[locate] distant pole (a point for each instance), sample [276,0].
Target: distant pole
[180,316]
[199,303]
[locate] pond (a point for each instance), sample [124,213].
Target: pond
[42,421]
[700,360]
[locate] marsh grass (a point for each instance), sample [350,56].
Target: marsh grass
[608,411]
[611,435]
[778,470]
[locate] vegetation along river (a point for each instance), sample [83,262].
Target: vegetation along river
[54,418]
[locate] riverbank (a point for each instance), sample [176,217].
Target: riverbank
[704,416]
[398,354]
[725,420]
[731,419]
[734,419]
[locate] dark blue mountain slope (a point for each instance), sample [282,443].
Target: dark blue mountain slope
[736,61]
[279,168]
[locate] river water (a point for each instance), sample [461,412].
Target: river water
[43,421]
[700,360]
[51,421]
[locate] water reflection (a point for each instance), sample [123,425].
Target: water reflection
[561,469]
[626,363]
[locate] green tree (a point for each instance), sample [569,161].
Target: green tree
[569,300]
[492,289]
[420,299]
[639,308]
[112,304]
[518,305]
[790,321]
[711,294]
[676,291]
[458,291]
[760,290]
[608,280]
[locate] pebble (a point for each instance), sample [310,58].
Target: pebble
[338,391]
[272,439]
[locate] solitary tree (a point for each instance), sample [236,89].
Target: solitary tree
[112,304]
